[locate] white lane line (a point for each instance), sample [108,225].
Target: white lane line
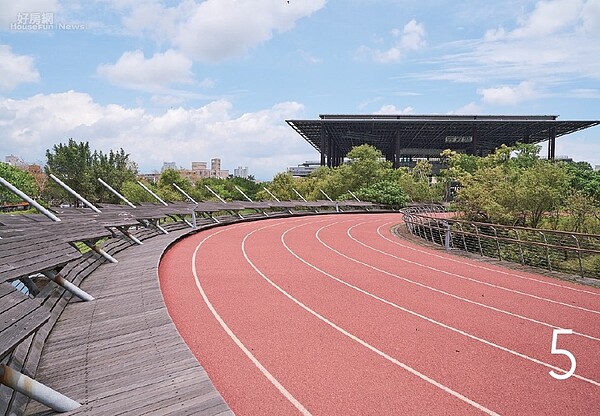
[470,279]
[444,292]
[478,266]
[236,340]
[360,341]
[431,320]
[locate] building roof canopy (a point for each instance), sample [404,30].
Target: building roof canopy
[427,134]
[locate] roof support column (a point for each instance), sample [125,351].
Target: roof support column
[333,154]
[397,150]
[474,140]
[329,151]
[551,143]
[338,156]
[390,154]
[323,144]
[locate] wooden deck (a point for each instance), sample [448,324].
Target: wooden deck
[121,354]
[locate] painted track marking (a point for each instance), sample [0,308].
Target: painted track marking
[470,279]
[236,340]
[433,321]
[448,293]
[478,266]
[358,340]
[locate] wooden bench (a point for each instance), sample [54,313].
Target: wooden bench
[22,255]
[19,318]
[32,244]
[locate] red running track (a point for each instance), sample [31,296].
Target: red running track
[334,315]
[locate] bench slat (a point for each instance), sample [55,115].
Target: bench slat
[18,322]
[24,266]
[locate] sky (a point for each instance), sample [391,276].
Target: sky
[183,81]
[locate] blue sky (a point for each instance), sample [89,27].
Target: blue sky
[191,80]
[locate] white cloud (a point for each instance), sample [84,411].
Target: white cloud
[133,70]
[208,83]
[547,17]
[391,109]
[509,95]
[556,43]
[15,69]
[585,93]
[591,17]
[260,140]
[410,38]
[308,57]
[413,36]
[468,109]
[10,9]
[215,30]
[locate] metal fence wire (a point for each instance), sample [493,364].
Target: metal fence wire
[567,252]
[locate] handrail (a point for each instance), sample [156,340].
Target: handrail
[575,253]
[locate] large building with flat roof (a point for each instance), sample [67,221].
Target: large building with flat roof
[404,139]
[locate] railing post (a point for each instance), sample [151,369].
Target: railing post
[478,240]
[520,247]
[547,250]
[448,235]
[579,255]
[462,232]
[497,242]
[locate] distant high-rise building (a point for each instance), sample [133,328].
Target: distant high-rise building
[241,172]
[304,169]
[15,161]
[215,169]
[200,170]
[198,166]
[168,165]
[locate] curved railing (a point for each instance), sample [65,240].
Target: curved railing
[568,252]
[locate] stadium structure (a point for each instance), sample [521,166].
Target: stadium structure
[405,139]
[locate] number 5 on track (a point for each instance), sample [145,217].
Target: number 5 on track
[555,350]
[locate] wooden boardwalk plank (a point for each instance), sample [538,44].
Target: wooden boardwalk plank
[121,354]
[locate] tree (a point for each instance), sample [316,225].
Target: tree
[171,176]
[366,166]
[134,193]
[248,186]
[511,186]
[415,183]
[115,169]
[72,164]
[79,168]
[583,178]
[18,178]
[384,192]
[281,187]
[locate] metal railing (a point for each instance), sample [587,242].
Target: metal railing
[568,252]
